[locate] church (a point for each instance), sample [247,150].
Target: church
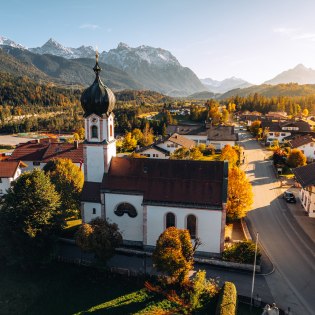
[145,196]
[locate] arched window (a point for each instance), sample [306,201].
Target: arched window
[191,224]
[126,208]
[110,130]
[94,132]
[170,220]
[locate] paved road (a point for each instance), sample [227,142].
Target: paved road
[291,251]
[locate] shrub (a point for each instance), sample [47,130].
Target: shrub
[227,300]
[242,252]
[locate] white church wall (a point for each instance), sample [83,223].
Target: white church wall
[208,225]
[131,228]
[92,210]
[95,163]
[109,152]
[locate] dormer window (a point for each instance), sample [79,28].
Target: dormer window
[94,132]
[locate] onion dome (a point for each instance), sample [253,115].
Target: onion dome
[98,98]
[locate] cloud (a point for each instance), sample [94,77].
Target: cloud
[89,26]
[295,33]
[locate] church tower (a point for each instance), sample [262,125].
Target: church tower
[98,102]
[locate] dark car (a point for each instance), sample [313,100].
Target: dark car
[289,197]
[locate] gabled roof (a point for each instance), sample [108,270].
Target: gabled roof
[277,126]
[44,151]
[181,182]
[64,151]
[305,175]
[222,133]
[181,140]
[302,140]
[9,168]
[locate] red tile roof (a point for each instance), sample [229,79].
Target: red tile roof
[302,140]
[181,182]
[44,151]
[8,169]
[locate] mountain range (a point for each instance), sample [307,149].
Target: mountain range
[225,85]
[125,67]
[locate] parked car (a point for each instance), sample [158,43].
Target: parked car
[289,197]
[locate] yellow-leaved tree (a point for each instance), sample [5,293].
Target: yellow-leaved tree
[173,254]
[240,194]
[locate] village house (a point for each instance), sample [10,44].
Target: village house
[305,176]
[306,144]
[146,196]
[37,153]
[280,131]
[218,136]
[165,147]
[9,171]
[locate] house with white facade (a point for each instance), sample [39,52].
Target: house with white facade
[9,171]
[218,136]
[306,144]
[146,196]
[280,131]
[36,153]
[305,176]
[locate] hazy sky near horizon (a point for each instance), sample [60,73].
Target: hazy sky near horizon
[250,39]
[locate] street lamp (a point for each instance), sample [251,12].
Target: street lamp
[254,271]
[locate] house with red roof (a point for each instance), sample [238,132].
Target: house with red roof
[37,153]
[9,171]
[146,196]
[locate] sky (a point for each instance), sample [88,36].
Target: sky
[250,39]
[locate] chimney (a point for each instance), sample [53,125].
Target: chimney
[76,144]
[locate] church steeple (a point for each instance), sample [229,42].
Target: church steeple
[98,98]
[98,102]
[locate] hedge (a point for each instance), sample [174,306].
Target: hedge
[227,300]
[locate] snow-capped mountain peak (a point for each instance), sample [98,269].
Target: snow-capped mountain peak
[52,47]
[124,54]
[225,85]
[8,42]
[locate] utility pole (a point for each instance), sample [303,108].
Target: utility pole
[254,271]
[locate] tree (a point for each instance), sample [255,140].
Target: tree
[240,195]
[296,158]
[229,154]
[180,154]
[279,157]
[195,154]
[137,134]
[225,115]
[68,180]
[305,112]
[173,254]
[148,137]
[100,237]
[29,219]
[129,142]
[255,128]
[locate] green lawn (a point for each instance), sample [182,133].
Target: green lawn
[62,289]
[68,289]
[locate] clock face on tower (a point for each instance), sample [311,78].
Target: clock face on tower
[94,120]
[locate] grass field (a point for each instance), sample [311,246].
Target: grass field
[62,289]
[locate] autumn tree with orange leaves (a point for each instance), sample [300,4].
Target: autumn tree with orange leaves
[240,194]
